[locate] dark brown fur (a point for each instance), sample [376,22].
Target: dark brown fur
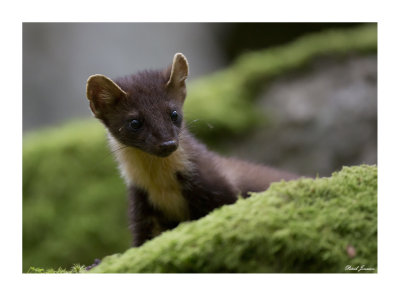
[206,181]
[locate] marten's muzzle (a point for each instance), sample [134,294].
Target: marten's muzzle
[166,148]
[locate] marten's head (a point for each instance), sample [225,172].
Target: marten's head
[143,110]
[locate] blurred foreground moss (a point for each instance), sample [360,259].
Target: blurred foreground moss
[74,202]
[299,226]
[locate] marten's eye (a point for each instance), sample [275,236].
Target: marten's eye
[174,116]
[135,124]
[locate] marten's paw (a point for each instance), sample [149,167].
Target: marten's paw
[96,262]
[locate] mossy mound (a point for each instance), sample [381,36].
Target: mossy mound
[320,225]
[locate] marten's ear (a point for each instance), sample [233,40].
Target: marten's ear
[179,71]
[102,92]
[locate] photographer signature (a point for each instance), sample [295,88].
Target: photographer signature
[358,268]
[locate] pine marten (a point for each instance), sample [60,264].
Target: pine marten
[170,176]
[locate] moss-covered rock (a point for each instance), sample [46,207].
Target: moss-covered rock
[307,225]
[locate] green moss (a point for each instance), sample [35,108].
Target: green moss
[298,226]
[74,269]
[232,91]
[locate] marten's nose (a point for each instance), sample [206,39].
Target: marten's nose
[168,147]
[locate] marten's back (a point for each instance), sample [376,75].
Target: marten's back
[242,176]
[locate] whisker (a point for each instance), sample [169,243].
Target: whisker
[109,154]
[118,149]
[191,123]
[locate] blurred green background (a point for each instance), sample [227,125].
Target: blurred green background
[296,96]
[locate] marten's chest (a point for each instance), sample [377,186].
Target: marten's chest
[157,176]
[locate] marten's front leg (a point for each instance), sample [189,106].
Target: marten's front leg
[146,222]
[143,223]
